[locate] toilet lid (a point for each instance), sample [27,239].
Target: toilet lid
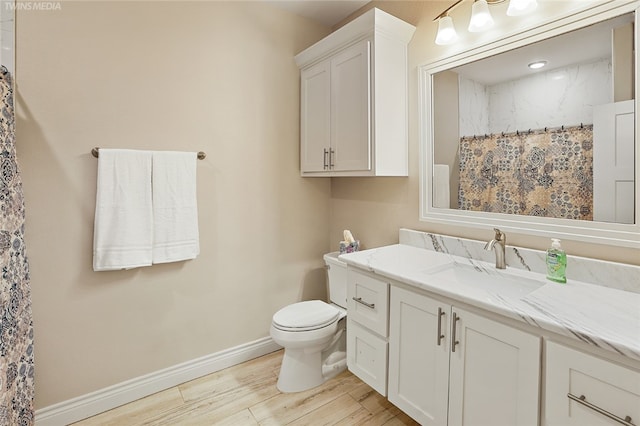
[305,316]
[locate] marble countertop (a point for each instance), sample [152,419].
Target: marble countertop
[601,316]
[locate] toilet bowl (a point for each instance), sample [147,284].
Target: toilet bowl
[313,335]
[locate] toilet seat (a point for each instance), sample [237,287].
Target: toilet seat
[305,316]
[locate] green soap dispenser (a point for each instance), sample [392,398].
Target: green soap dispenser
[556,262]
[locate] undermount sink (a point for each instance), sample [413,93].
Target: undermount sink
[485,277]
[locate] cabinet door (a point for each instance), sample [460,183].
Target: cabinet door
[351,109]
[495,373]
[581,389]
[315,106]
[419,356]
[367,356]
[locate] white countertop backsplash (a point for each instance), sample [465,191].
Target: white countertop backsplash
[599,305]
[592,271]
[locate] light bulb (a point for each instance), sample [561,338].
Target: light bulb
[521,7]
[537,65]
[481,18]
[446,31]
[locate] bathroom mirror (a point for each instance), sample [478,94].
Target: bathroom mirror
[551,151]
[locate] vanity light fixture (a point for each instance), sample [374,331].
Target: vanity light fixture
[481,18]
[537,65]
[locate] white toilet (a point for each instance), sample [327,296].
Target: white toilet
[313,334]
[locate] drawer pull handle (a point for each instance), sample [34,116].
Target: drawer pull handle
[454,342]
[362,302]
[583,400]
[440,335]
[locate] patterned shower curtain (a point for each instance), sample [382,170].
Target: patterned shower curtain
[16,325]
[538,173]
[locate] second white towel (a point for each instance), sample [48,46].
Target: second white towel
[175,209]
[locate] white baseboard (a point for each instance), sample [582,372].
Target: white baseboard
[108,398]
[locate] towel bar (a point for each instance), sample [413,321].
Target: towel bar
[96,152]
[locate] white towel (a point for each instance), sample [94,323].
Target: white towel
[175,210]
[123,228]
[441,186]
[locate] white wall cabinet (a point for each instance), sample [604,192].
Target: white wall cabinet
[335,112]
[353,99]
[448,366]
[582,389]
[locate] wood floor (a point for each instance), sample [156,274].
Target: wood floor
[246,394]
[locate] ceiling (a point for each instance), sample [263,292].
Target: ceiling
[583,46]
[325,12]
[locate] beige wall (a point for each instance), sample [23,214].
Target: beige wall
[213,76]
[375,208]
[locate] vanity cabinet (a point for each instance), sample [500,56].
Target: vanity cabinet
[367,328]
[449,366]
[582,389]
[353,99]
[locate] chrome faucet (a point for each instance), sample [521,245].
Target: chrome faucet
[498,245]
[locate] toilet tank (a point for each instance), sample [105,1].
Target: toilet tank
[337,274]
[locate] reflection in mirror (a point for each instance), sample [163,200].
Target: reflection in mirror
[556,141]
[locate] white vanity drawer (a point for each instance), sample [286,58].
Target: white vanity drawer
[604,390]
[367,356]
[368,301]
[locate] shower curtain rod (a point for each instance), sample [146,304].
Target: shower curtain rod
[96,152]
[528,132]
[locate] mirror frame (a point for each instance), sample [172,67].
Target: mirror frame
[626,235]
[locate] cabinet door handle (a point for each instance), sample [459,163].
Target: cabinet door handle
[325,162]
[454,342]
[362,302]
[440,335]
[331,154]
[583,400]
